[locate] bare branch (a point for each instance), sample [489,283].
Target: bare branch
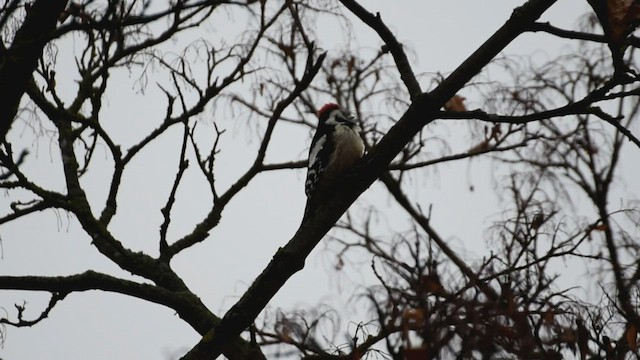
[576,35]
[201,230]
[391,44]
[21,322]
[166,211]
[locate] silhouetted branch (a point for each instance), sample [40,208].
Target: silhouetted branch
[576,35]
[21,322]
[391,45]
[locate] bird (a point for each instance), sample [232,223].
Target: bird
[336,146]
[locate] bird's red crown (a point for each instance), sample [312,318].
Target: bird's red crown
[327,107]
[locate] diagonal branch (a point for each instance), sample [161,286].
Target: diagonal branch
[394,188]
[21,59]
[290,259]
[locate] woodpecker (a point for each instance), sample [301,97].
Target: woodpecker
[335,147]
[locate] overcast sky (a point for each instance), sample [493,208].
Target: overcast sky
[99,325]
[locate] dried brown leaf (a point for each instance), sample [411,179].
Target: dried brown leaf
[416,354]
[483,146]
[601,227]
[413,318]
[431,284]
[623,16]
[455,104]
[632,337]
[351,64]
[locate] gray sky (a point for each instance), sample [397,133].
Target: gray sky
[100,325]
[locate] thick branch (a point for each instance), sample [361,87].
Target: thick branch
[89,280]
[290,259]
[21,59]
[187,306]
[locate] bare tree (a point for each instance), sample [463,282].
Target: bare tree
[556,131]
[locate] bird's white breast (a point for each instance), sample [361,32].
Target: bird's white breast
[349,147]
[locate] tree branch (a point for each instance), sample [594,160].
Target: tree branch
[394,188]
[576,35]
[21,322]
[186,305]
[290,259]
[21,59]
[392,45]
